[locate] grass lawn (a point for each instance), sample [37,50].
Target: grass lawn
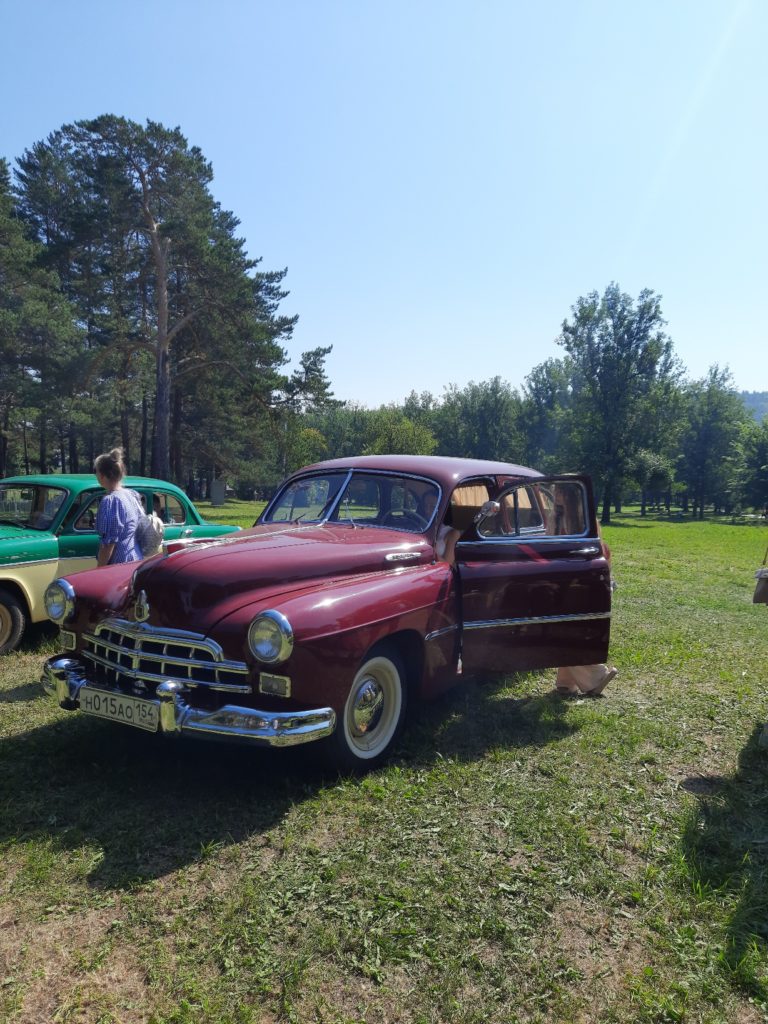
[233,513]
[522,858]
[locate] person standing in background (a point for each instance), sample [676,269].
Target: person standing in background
[118,514]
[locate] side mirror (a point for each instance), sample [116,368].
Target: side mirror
[488,508]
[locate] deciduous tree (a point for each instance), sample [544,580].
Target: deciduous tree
[622,363]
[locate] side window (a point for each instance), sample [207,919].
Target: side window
[171,510]
[569,508]
[85,521]
[546,509]
[466,502]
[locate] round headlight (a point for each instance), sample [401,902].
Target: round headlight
[59,600]
[270,637]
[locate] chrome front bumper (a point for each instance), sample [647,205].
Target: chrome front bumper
[63,679]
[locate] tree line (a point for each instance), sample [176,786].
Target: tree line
[131,313]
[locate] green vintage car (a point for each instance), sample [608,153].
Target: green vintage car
[48,529]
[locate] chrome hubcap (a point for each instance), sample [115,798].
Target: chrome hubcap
[367,707]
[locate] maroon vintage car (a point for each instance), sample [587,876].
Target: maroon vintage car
[339,606]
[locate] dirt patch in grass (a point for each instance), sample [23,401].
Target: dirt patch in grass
[64,968]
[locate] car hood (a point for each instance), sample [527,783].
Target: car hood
[194,588]
[19,544]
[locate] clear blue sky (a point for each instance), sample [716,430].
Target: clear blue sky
[443,180]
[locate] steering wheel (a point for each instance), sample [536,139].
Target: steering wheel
[404,516]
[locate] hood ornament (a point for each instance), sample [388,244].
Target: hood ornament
[141,608]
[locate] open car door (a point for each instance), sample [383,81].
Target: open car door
[535,580]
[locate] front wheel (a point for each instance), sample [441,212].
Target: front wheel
[12,622]
[374,711]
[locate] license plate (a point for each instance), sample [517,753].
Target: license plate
[118,707]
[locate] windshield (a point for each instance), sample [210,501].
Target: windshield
[30,505]
[365,499]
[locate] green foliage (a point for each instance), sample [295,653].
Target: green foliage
[480,421]
[390,431]
[37,336]
[757,403]
[546,415]
[622,369]
[754,445]
[711,457]
[174,310]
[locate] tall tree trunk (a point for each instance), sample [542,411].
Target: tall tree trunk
[74,465]
[161,434]
[43,445]
[161,467]
[144,437]
[26,449]
[4,443]
[63,449]
[643,501]
[605,518]
[125,433]
[176,456]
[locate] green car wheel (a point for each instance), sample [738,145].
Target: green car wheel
[12,622]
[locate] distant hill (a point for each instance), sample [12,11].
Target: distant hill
[756,402]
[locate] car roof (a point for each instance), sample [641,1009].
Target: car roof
[81,481]
[445,469]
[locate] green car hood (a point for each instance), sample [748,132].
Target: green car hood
[20,545]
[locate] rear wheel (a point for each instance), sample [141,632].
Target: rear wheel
[374,711]
[12,622]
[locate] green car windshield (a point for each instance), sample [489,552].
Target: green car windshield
[32,506]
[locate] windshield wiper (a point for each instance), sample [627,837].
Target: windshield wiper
[349,515]
[320,515]
[11,522]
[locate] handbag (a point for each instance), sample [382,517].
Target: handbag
[149,530]
[760,595]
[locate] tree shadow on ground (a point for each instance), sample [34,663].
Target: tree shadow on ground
[145,805]
[725,845]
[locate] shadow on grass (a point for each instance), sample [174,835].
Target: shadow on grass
[477,717]
[24,692]
[152,805]
[725,845]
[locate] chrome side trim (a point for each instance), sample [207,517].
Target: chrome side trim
[440,632]
[402,556]
[522,538]
[63,678]
[21,565]
[533,620]
[536,620]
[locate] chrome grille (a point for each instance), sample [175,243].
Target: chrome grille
[132,653]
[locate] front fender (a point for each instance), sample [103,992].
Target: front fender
[28,564]
[335,625]
[100,593]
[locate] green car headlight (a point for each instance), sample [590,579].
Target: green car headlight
[270,637]
[60,600]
